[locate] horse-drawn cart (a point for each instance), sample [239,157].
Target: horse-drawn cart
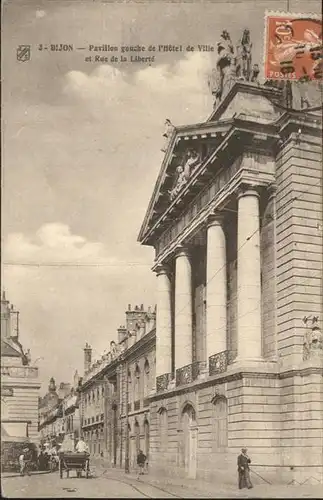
[79,462]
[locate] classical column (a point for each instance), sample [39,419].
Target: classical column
[183,309]
[249,276]
[216,287]
[163,323]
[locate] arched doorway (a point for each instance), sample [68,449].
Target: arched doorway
[189,436]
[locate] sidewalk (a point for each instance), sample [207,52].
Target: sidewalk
[16,474]
[194,488]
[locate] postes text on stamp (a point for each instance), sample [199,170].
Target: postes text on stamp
[293,47]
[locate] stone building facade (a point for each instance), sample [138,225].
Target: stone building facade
[52,418]
[114,411]
[19,381]
[236,222]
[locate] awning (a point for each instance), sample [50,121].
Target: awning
[14,432]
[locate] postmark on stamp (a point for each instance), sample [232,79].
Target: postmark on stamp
[293,47]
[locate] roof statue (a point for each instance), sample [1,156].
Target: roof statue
[169,128]
[232,65]
[244,56]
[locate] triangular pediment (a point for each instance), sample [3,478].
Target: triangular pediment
[186,150]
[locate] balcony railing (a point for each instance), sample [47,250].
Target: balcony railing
[129,406]
[188,373]
[146,402]
[19,371]
[219,362]
[162,382]
[137,405]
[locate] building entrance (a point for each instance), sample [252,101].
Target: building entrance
[189,429]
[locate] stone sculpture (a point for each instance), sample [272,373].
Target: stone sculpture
[244,56]
[183,173]
[232,65]
[313,339]
[179,183]
[169,128]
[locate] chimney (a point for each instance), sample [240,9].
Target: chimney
[129,307]
[142,307]
[122,333]
[87,357]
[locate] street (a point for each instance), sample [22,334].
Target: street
[113,483]
[51,486]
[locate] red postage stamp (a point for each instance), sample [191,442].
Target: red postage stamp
[293,47]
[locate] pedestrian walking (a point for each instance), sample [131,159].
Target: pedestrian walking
[244,470]
[141,460]
[23,462]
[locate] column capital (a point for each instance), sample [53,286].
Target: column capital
[161,269]
[215,219]
[248,190]
[181,251]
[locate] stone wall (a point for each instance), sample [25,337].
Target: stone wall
[23,405]
[232,306]
[268,275]
[299,242]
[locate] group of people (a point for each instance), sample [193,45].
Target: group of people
[48,458]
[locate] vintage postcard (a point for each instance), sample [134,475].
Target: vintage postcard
[162,242]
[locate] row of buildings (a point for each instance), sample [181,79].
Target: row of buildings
[113,390]
[58,415]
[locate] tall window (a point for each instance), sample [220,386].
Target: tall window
[163,428]
[137,383]
[220,423]
[137,436]
[146,435]
[130,389]
[146,378]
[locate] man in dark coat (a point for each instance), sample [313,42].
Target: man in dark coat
[141,460]
[244,470]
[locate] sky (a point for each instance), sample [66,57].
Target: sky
[81,153]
